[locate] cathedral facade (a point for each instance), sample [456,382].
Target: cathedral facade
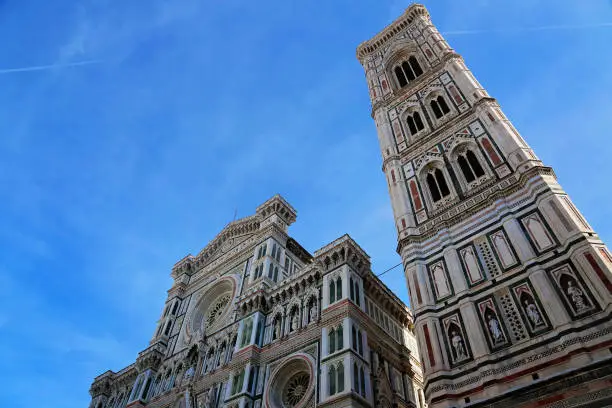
[255,320]
[510,287]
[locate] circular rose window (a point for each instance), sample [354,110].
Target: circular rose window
[212,309]
[291,384]
[295,389]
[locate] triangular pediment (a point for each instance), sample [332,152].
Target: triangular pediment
[230,236]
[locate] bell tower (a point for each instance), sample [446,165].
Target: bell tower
[510,286]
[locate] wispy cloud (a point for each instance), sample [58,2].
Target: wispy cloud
[47,67]
[529,29]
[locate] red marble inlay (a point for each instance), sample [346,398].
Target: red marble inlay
[415,196]
[599,271]
[490,151]
[418,289]
[432,360]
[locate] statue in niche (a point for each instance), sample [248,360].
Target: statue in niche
[312,312]
[277,328]
[576,296]
[189,373]
[294,320]
[532,313]
[495,328]
[458,346]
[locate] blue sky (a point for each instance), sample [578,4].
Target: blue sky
[113,171]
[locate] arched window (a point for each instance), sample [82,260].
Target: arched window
[401,78]
[416,68]
[362,379]
[168,326]
[408,71]
[437,185]
[433,187]
[442,183]
[275,274]
[470,167]
[473,160]
[352,289]
[339,288]
[357,295]
[465,169]
[439,107]
[176,305]
[359,342]
[332,380]
[354,338]
[415,123]
[258,333]
[270,271]
[339,338]
[274,251]
[340,377]
[331,341]
[332,291]
[355,377]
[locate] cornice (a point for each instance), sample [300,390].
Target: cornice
[343,250]
[380,39]
[375,287]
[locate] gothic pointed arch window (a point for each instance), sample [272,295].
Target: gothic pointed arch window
[415,123]
[468,164]
[331,341]
[436,182]
[332,380]
[332,291]
[339,288]
[340,370]
[408,70]
[339,338]
[439,107]
[352,288]
[355,377]
[362,382]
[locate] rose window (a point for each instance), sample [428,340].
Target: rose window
[212,309]
[291,384]
[217,310]
[295,389]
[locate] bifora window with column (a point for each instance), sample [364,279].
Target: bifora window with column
[470,165]
[407,71]
[415,123]
[437,185]
[439,107]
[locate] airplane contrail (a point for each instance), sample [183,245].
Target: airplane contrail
[526,29]
[47,67]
